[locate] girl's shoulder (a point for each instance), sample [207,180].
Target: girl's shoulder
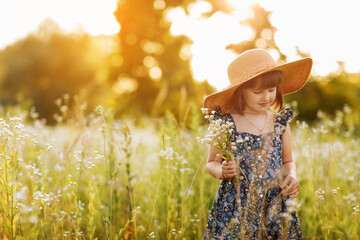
[284,116]
[218,114]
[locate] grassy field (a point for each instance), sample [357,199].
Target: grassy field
[97,178]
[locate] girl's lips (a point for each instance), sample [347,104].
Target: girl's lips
[263,104]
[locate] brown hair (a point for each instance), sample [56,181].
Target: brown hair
[264,81]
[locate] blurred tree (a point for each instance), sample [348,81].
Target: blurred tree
[328,94]
[44,66]
[151,70]
[263,33]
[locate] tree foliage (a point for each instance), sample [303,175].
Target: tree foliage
[328,94]
[263,33]
[148,70]
[154,61]
[45,68]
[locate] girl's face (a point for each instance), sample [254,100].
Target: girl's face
[258,100]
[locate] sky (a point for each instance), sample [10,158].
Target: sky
[327,29]
[20,17]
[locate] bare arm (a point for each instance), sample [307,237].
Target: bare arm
[290,183]
[219,168]
[288,167]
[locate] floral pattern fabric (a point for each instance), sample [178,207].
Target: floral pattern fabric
[251,206]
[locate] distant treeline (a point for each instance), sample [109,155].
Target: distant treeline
[142,71]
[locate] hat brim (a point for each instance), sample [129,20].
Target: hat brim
[294,76]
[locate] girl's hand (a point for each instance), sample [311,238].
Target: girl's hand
[228,169]
[290,186]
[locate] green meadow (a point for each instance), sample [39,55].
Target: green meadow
[94,177]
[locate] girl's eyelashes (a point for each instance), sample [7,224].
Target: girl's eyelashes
[269,89]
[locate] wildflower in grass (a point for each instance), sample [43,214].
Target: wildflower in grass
[152,235]
[356,210]
[33,114]
[58,118]
[321,129]
[49,147]
[335,190]
[64,109]
[83,106]
[320,193]
[66,97]
[58,101]
[347,108]
[20,195]
[174,160]
[99,109]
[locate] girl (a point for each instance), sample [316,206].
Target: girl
[254,199]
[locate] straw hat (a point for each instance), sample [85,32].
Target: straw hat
[253,63]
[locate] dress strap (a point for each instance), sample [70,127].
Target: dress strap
[282,120]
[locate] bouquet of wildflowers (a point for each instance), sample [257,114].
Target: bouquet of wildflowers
[220,134]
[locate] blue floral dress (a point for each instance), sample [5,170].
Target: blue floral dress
[251,206]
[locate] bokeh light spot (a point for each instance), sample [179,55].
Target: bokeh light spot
[266,34]
[241,4]
[185,52]
[124,84]
[159,4]
[198,8]
[242,14]
[155,73]
[152,47]
[260,43]
[149,61]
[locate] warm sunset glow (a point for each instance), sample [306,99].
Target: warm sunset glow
[94,17]
[243,4]
[117,60]
[319,31]
[210,38]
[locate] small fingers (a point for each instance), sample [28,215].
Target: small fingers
[286,183]
[228,169]
[294,195]
[230,163]
[291,189]
[290,185]
[229,172]
[292,192]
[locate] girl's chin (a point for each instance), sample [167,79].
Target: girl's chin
[257,109]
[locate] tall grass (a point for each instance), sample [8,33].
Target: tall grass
[100,178]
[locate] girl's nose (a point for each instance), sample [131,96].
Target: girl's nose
[266,96]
